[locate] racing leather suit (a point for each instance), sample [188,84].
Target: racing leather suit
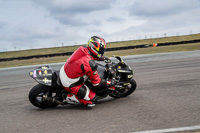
[76,70]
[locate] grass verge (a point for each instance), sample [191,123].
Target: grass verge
[109,45]
[163,49]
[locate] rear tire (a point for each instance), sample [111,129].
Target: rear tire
[36,96]
[127,91]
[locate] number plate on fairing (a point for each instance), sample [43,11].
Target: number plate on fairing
[42,75]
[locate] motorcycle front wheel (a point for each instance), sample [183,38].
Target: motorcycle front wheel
[39,96]
[124,92]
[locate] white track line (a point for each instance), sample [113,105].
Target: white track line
[180,129]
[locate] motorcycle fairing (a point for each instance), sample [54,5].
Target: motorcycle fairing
[124,69]
[42,75]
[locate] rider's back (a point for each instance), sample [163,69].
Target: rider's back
[78,64]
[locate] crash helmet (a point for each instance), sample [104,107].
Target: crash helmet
[96,46]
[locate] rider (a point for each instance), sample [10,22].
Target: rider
[80,66]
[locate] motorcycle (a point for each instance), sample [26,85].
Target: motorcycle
[50,93]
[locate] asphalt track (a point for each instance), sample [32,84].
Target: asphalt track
[167,96]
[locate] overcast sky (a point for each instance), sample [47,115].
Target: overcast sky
[28,24]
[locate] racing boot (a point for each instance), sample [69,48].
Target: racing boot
[90,105]
[87,103]
[112,88]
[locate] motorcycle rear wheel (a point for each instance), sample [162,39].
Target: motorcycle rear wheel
[126,91]
[37,94]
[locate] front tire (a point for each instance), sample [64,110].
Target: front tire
[125,91]
[37,94]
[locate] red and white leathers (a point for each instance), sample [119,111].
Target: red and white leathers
[78,68]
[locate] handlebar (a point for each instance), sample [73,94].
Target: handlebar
[112,67]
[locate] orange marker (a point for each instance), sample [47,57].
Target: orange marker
[155,45]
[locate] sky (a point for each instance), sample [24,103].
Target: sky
[31,24]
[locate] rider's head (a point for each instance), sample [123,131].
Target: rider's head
[96,46]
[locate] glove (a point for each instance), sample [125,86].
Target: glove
[111,82]
[102,58]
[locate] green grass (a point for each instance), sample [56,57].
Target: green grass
[163,49]
[37,52]
[109,45]
[150,50]
[154,40]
